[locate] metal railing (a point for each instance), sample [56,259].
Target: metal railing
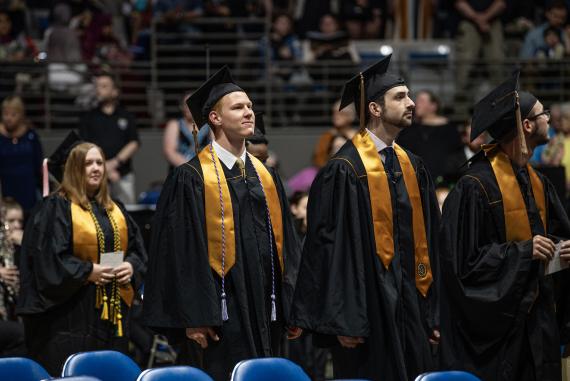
[292,94]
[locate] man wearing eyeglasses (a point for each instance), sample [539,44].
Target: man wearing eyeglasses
[505,311]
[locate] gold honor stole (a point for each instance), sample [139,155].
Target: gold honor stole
[213,200]
[85,245]
[381,205]
[516,218]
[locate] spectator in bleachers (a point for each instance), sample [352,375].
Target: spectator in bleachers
[284,47]
[431,136]
[556,14]
[413,19]
[363,18]
[70,300]
[480,31]
[553,47]
[20,155]
[108,47]
[113,128]
[178,142]
[61,41]
[342,121]
[11,330]
[557,151]
[330,42]
[176,15]
[14,46]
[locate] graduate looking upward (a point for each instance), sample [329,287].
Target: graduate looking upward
[503,318]
[367,283]
[223,256]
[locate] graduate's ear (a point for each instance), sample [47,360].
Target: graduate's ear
[528,127]
[215,118]
[375,109]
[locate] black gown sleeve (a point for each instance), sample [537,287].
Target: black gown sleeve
[50,273]
[180,290]
[330,296]
[486,278]
[136,253]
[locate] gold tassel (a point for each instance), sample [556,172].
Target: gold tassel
[105,312]
[522,140]
[119,325]
[362,103]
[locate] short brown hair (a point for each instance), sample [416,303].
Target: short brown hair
[9,203]
[73,185]
[14,101]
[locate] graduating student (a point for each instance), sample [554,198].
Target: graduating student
[69,301]
[224,256]
[499,229]
[367,281]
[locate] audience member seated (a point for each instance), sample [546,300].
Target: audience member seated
[14,46]
[330,42]
[20,155]
[363,18]
[63,50]
[177,15]
[431,136]
[556,13]
[342,122]
[557,151]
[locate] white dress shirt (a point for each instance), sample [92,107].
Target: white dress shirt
[379,143]
[226,156]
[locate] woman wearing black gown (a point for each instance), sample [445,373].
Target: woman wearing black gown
[69,301]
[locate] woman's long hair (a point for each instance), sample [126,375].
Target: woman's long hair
[74,184]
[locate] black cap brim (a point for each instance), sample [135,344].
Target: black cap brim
[56,162]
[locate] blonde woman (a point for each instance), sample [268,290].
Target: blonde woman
[70,302]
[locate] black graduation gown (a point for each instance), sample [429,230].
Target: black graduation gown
[182,290]
[343,288]
[56,302]
[499,320]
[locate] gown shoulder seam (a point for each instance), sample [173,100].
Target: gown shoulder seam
[198,172]
[349,163]
[482,186]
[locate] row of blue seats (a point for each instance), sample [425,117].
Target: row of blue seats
[115,366]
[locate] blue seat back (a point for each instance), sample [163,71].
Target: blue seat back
[21,369]
[268,369]
[452,375]
[105,365]
[75,378]
[174,373]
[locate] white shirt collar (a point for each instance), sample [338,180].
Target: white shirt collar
[379,143]
[226,156]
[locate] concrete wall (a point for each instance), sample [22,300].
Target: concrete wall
[294,148]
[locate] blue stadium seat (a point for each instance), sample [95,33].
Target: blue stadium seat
[21,369]
[77,378]
[174,373]
[268,369]
[447,376]
[105,365]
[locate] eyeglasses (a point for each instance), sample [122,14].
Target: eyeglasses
[545,113]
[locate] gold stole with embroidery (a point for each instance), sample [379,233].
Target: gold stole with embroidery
[381,206]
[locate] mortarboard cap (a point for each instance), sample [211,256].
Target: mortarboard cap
[205,98]
[376,83]
[258,136]
[503,110]
[56,162]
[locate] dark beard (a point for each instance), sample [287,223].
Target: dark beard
[539,140]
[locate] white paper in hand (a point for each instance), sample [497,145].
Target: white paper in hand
[556,264]
[112,259]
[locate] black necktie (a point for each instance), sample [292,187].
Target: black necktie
[389,161]
[532,207]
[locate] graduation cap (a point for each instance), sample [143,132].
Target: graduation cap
[503,110]
[368,86]
[56,162]
[258,136]
[205,98]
